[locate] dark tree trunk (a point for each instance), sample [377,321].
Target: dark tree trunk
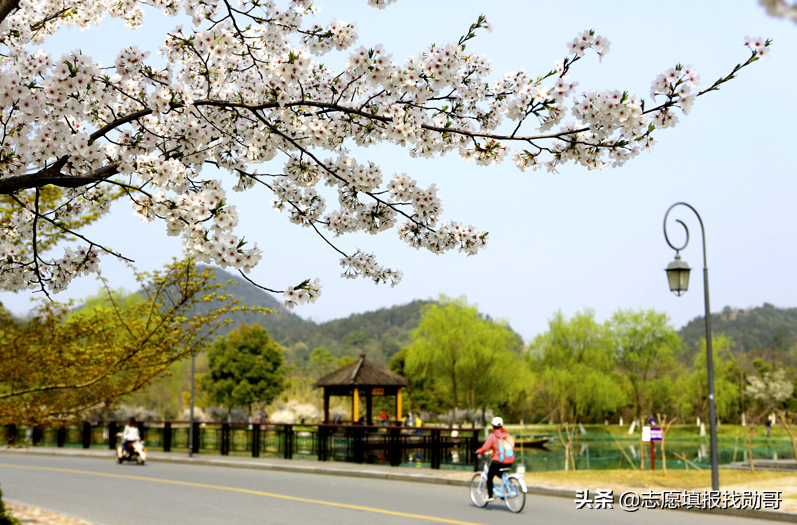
[6,6]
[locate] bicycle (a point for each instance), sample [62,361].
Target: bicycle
[511,488]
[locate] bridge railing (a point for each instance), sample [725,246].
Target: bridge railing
[434,447]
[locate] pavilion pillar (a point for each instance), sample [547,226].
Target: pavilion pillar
[368,406]
[326,406]
[398,405]
[355,405]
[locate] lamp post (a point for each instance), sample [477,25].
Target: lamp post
[678,278]
[191,414]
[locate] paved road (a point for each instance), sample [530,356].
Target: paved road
[103,492]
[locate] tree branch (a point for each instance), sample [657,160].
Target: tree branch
[6,7]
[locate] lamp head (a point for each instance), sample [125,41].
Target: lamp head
[678,275]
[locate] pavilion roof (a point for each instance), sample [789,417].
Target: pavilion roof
[362,373]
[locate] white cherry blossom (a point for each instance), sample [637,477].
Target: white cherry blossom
[244,86]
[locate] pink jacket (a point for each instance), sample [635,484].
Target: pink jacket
[492,443]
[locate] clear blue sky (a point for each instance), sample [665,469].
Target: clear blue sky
[564,242]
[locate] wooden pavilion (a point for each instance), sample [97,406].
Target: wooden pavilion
[362,379]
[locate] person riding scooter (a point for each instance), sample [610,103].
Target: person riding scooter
[130,434]
[130,447]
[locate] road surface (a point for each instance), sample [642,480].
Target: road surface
[102,492]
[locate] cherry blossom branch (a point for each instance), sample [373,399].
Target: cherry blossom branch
[253,283]
[6,7]
[37,269]
[238,94]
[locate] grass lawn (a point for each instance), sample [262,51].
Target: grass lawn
[644,480]
[675,479]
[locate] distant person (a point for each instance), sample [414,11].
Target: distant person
[503,447]
[768,425]
[418,425]
[337,419]
[408,420]
[130,433]
[383,418]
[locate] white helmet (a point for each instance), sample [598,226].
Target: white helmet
[497,422]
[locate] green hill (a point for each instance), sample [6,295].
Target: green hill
[761,329]
[282,321]
[379,334]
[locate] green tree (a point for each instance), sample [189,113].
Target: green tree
[693,385]
[245,367]
[322,362]
[644,345]
[465,359]
[165,395]
[426,393]
[298,354]
[575,369]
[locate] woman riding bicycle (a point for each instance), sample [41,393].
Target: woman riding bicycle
[502,459]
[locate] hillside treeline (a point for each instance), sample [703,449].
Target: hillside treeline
[461,362]
[631,366]
[635,365]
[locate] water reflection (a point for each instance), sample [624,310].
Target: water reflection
[599,454]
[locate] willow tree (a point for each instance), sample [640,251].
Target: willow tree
[693,384]
[577,379]
[644,344]
[470,361]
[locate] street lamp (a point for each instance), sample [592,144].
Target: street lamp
[678,278]
[191,413]
[678,275]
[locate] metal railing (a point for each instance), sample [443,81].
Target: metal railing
[434,447]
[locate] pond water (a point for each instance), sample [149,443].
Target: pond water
[595,453]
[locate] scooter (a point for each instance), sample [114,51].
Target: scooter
[135,451]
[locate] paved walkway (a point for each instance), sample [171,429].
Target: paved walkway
[784,465]
[422,475]
[28,515]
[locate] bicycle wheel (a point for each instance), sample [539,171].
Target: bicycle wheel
[478,491]
[515,498]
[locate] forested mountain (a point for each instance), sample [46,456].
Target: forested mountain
[379,334]
[761,329]
[249,295]
[765,331]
